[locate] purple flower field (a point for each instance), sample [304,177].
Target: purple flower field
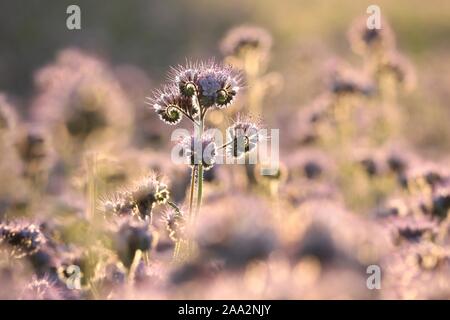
[99,199]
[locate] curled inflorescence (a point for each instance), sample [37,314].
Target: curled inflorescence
[170,105]
[243,136]
[197,151]
[147,193]
[139,200]
[192,91]
[193,87]
[175,223]
[217,86]
[242,38]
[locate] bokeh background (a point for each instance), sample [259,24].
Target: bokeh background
[154,34]
[364,176]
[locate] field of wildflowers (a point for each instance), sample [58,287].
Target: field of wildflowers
[93,205]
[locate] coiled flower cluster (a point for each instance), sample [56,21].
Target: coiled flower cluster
[213,85]
[193,90]
[243,136]
[139,200]
[204,148]
[244,38]
[175,223]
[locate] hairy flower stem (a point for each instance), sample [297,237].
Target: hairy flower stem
[196,181]
[191,192]
[199,190]
[199,175]
[179,242]
[199,167]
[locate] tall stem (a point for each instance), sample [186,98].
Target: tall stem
[199,173]
[199,190]
[191,193]
[178,245]
[196,181]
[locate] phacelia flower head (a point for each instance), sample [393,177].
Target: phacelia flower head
[170,105]
[198,151]
[242,136]
[242,38]
[197,85]
[212,83]
[22,240]
[186,78]
[365,41]
[218,85]
[81,98]
[343,79]
[138,200]
[175,223]
[147,193]
[119,204]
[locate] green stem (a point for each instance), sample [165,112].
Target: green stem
[225,145]
[197,172]
[191,244]
[178,243]
[199,175]
[191,193]
[199,190]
